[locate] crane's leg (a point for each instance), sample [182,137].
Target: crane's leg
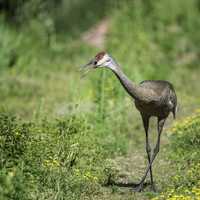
[161,122]
[145,120]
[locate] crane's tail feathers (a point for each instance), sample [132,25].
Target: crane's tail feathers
[174,111]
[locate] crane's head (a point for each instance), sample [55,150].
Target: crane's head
[102,59]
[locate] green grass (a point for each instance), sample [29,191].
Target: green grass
[184,157]
[61,157]
[62,136]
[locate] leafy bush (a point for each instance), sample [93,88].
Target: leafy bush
[37,158]
[185,137]
[14,138]
[184,153]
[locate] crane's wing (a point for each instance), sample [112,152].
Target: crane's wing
[156,91]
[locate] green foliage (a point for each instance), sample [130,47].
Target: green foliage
[152,40]
[60,135]
[184,154]
[13,140]
[185,137]
[65,156]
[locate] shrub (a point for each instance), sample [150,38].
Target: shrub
[184,154]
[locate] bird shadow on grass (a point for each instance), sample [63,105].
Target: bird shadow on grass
[111,182]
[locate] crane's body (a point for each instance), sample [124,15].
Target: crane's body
[162,106]
[151,97]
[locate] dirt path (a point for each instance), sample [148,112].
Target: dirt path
[96,35]
[130,168]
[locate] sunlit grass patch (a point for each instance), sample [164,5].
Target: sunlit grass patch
[185,136]
[184,154]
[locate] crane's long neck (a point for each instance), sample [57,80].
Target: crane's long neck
[131,88]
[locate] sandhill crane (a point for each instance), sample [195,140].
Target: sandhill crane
[151,97]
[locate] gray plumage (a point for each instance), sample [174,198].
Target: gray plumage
[151,97]
[166,103]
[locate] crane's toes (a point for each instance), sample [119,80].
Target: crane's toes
[138,188]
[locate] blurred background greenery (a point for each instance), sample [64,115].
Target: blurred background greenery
[63,135]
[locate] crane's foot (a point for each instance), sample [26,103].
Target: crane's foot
[138,188]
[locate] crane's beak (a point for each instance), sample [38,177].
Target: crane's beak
[86,68]
[89,64]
